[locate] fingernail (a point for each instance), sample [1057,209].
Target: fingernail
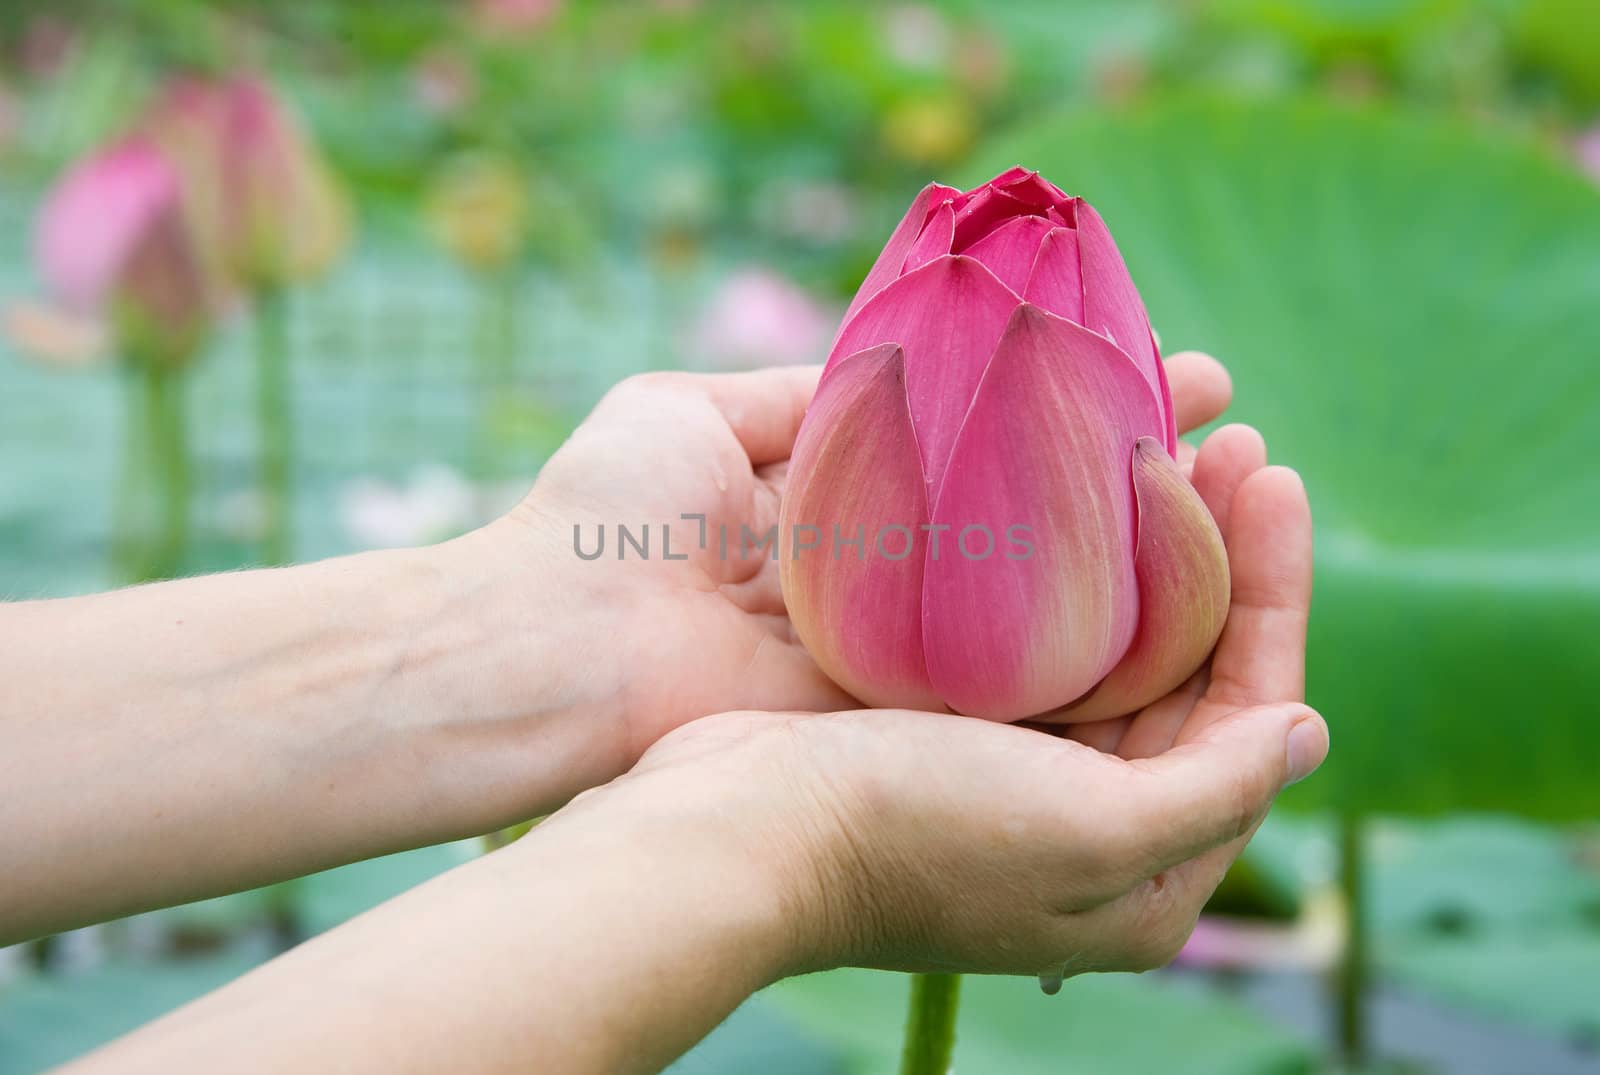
[1307,747]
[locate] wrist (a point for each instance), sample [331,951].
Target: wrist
[737,781]
[705,858]
[492,679]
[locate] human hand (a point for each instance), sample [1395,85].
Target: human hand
[924,842]
[672,640]
[695,624]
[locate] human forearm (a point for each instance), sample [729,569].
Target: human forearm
[195,737]
[609,940]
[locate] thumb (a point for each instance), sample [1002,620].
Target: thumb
[1215,787]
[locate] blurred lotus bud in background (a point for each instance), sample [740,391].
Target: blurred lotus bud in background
[477,209]
[259,196]
[758,317]
[113,243]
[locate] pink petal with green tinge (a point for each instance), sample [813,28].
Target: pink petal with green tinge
[1045,445]
[893,256]
[1010,250]
[1112,307]
[855,467]
[1056,282]
[948,317]
[1182,570]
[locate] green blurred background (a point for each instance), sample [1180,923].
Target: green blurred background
[1384,215]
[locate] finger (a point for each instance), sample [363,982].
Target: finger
[761,593]
[1225,460]
[1260,657]
[1154,919]
[1103,735]
[1201,388]
[1214,788]
[782,676]
[752,542]
[1155,728]
[763,407]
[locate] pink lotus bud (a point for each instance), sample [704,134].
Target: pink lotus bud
[112,241]
[983,512]
[258,195]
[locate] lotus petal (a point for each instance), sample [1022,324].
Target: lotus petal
[1014,174]
[855,467]
[1169,438]
[1010,250]
[1112,307]
[893,256]
[1056,280]
[1030,188]
[984,210]
[948,317]
[1045,445]
[935,240]
[1182,570]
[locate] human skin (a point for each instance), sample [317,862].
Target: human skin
[191,738]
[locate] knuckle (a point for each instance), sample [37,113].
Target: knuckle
[650,383]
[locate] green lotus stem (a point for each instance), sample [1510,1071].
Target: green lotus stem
[931,1025]
[1354,973]
[127,535]
[166,450]
[283,914]
[275,422]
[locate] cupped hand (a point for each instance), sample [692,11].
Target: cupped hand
[699,458]
[689,619]
[924,842]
